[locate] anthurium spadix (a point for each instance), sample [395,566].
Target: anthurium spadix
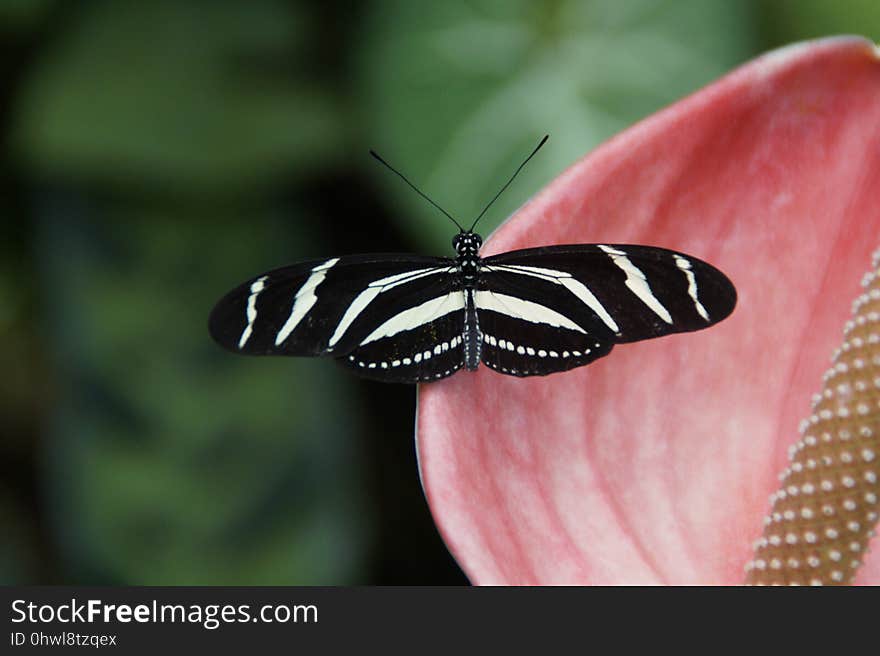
[657,464]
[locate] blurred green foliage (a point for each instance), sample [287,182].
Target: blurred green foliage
[161,478]
[783,21]
[182,97]
[156,154]
[460,92]
[23,15]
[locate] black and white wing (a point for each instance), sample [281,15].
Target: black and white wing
[543,310]
[395,318]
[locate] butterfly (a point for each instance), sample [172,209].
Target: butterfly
[412,318]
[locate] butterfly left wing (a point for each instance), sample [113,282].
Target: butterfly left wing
[573,303]
[375,309]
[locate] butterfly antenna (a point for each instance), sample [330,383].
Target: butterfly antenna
[526,161]
[415,189]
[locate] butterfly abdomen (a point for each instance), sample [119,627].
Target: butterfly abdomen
[473,338]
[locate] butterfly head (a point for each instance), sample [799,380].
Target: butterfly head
[467,243]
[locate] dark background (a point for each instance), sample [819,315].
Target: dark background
[155,154]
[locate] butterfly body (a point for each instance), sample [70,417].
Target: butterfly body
[409,318]
[468,266]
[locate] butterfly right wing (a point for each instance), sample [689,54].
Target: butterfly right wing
[553,308]
[326,307]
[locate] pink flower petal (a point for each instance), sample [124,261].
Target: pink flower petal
[654,465]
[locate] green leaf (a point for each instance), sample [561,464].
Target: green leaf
[23,15]
[179,97]
[17,550]
[457,95]
[785,21]
[169,460]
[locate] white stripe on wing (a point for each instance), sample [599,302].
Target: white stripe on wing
[304,300]
[685,266]
[251,313]
[518,308]
[637,282]
[417,316]
[362,300]
[576,287]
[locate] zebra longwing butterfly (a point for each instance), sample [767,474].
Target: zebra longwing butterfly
[411,318]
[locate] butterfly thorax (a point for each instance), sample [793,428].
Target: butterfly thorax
[467,246]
